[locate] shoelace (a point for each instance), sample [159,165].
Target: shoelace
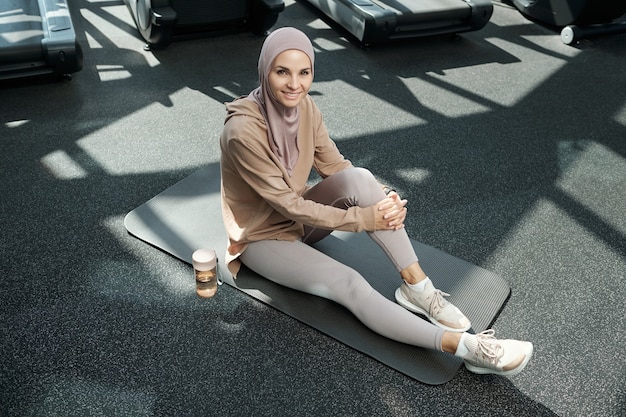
[488,350]
[438,302]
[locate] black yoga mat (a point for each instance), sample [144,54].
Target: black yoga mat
[187,216]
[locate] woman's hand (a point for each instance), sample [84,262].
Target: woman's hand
[391,212]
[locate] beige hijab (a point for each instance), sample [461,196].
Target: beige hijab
[282,122]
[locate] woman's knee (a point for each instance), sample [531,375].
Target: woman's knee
[350,187]
[354,175]
[368,189]
[350,288]
[360,175]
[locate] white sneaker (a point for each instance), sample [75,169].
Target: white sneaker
[431,304]
[488,355]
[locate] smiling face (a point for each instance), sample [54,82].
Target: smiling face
[290,77]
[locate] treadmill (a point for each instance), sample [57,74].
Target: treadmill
[37,37]
[577,18]
[161,21]
[377,21]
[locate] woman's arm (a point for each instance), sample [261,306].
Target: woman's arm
[257,168]
[327,158]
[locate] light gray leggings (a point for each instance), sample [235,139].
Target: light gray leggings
[299,266]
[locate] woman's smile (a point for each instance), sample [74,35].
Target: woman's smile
[291,95]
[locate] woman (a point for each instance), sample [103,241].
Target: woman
[272,139]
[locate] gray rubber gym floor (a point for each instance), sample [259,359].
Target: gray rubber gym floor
[509,145]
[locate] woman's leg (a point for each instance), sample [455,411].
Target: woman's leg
[301,267]
[358,187]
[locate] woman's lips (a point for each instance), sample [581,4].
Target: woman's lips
[291,96]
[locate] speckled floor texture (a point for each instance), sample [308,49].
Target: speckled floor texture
[509,145]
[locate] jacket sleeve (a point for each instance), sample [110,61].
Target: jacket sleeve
[328,160]
[256,166]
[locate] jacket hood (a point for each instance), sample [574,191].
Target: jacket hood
[243,107]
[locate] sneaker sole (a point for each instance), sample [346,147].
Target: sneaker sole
[520,368]
[415,309]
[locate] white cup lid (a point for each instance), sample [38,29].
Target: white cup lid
[204,259]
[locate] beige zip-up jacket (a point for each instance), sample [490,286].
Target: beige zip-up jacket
[259,199]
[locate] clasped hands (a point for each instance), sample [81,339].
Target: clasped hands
[391,212]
